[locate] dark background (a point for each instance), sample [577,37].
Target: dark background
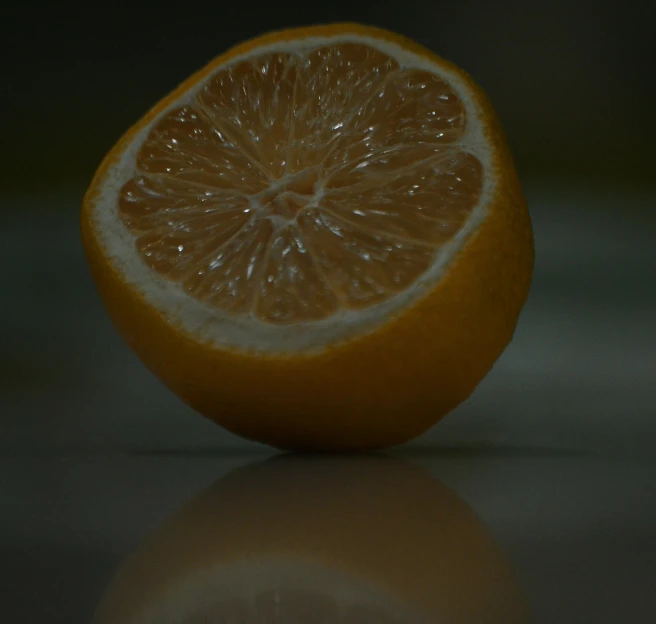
[574,85]
[555,450]
[573,82]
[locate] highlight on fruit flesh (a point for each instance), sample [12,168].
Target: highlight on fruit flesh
[308,539]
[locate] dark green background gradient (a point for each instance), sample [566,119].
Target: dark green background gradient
[556,448]
[573,82]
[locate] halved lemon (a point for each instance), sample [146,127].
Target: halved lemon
[317,241]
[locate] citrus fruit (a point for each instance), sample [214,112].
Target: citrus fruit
[319,241]
[347,539]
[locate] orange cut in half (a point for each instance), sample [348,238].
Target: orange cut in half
[319,241]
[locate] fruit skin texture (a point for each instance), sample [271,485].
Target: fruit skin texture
[378,389]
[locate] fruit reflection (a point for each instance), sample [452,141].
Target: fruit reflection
[316,540]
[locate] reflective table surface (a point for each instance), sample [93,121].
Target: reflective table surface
[419,536]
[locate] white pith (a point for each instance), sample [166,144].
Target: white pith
[208,324]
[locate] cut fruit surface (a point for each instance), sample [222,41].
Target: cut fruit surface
[307,191]
[299,184]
